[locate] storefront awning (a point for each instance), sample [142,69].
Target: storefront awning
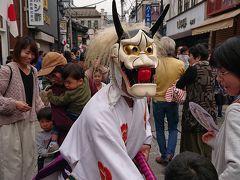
[222,21]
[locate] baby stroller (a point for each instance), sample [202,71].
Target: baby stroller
[59,164]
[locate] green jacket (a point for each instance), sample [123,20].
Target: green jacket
[74,100]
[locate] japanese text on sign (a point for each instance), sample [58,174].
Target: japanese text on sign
[148,15]
[35,12]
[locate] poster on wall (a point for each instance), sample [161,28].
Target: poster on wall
[35,12]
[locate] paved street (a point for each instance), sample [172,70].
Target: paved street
[158,169]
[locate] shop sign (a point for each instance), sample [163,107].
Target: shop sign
[148,15]
[182,23]
[35,12]
[63,26]
[192,21]
[45,5]
[217,6]
[186,21]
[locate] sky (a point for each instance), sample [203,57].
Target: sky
[106,5]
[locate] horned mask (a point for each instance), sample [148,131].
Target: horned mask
[135,55]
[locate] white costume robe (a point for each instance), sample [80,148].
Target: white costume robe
[103,141]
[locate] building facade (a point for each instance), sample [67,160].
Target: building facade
[92,19]
[184,16]
[139,11]
[222,22]
[45,32]
[46,35]
[203,21]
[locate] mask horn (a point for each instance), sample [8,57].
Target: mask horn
[155,27]
[117,23]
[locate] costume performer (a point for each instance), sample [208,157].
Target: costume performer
[113,127]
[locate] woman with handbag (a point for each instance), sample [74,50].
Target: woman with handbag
[199,81]
[19,102]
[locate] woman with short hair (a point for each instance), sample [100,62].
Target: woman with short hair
[226,143]
[19,102]
[199,81]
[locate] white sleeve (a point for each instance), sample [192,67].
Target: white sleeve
[232,144]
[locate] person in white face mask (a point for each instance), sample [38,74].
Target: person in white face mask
[184,56]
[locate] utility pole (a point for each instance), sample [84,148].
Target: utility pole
[136,10]
[161,10]
[58,26]
[70,25]
[122,1]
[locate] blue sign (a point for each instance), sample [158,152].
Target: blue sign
[148,15]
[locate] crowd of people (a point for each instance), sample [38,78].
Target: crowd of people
[99,118]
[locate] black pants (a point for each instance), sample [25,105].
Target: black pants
[40,162]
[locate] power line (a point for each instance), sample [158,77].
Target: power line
[94,3]
[131,6]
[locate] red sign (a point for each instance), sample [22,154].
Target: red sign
[216,6]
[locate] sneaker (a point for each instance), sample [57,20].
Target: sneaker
[161,160]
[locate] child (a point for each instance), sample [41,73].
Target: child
[46,139]
[97,80]
[190,166]
[77,94]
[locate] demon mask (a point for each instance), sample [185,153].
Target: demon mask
[135,55]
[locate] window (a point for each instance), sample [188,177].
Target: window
[83,23]
[193,2]
[1,21]
[89,24]
[96,24]
[180,6]
[186,5]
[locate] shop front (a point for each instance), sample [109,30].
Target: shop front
[180,27]
[223,23]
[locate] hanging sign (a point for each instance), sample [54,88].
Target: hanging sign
[148,15]
[35,12]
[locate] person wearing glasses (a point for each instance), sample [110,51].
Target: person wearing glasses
[226,143]
[199,81]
